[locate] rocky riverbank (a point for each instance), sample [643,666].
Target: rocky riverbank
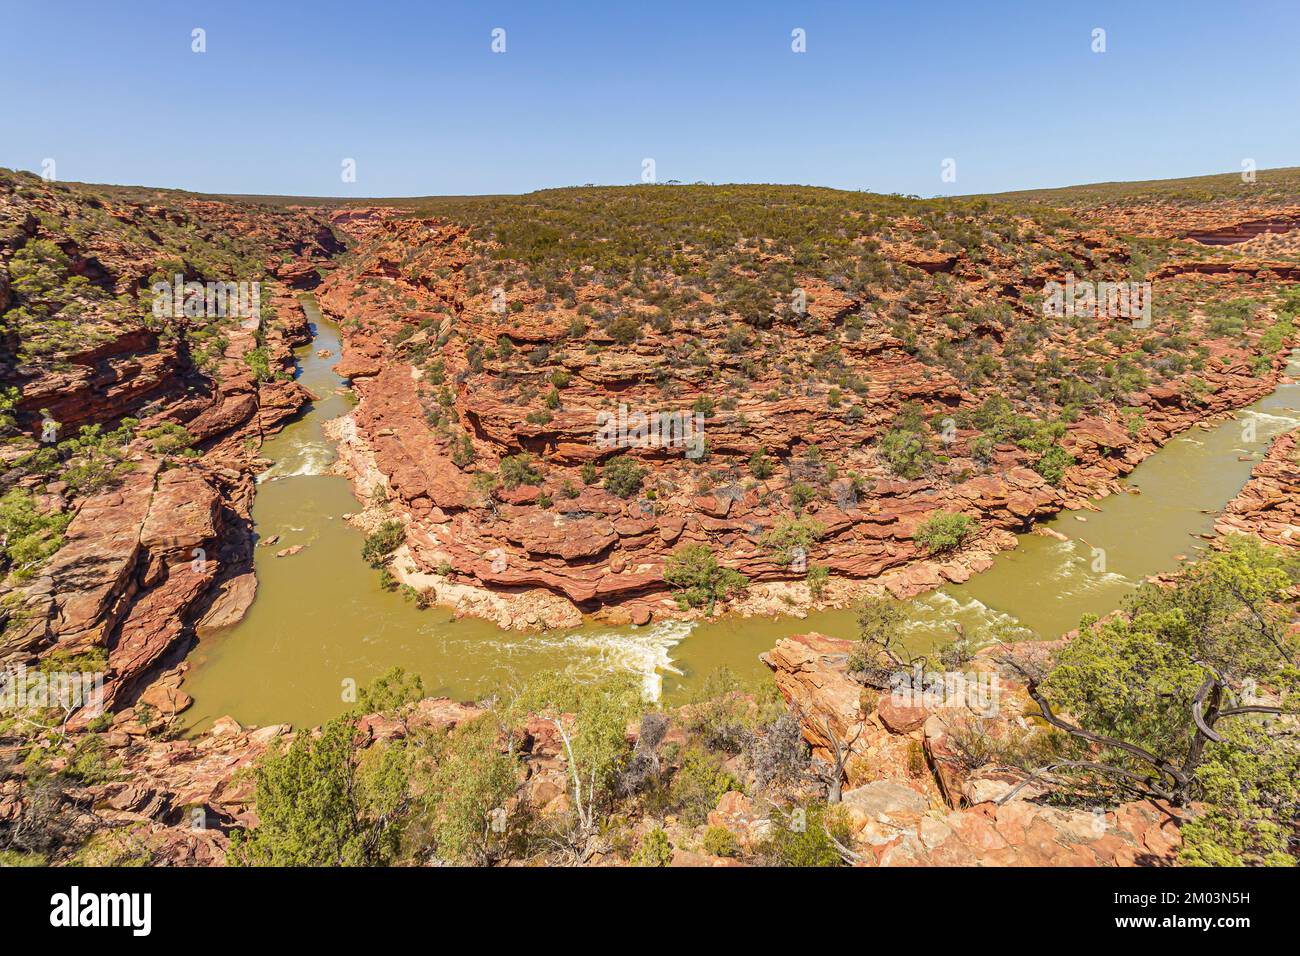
[542,552]
[168,552]
[910,795]
[477,427]
[1268,507]
[160,550]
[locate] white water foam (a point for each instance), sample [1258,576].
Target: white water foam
[644,651]
[306,460]
[949,608]
[1073,570]
[1266,418]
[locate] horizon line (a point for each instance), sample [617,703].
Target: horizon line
[666,183]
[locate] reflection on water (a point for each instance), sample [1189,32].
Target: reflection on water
[321,618]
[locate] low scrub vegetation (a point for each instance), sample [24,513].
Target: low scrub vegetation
[944,531]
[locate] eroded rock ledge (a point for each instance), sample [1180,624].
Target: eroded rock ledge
[1268,507]
[541,556]
[167,552]
[908,796]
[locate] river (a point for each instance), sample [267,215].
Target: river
[321,620]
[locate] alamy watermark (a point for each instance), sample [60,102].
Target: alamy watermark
[21,689]
[624,429]
[936,689]
[175,298]
[1082,297]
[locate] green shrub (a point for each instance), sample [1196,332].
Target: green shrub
[519,470]
[625,330]
[169,438]
[699,783]
[792,537]
[623,476]
[260,362]
[717,712]
[462,451]
[465,803]
[803,837]
[801,494]
[323,802]
[1052,464]
[1183,656]
[719,841]
[9,397]
[655,850]
[906,452]
[27,537]
[818,576]
[382,542]
[694,570]
[95,458]
[944,531]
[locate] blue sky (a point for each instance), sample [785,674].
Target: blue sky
[585,91]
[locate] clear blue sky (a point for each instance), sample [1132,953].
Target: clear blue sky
[412,91]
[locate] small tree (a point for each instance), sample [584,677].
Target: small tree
[793,537]
[1178,698]
[694,570]
[382,542]
[519,470]
[464,814]
[324,802]
[27,537]
[623,477]
[907,452]
[944,531]
[327,800]
[96,460]
[591,721]
[625,329]
[879,655]
[169,438]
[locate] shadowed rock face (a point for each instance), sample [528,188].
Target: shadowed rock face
[1244,231]
[145,557]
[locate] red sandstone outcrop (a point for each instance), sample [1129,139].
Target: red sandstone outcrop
[910,801]
[169,545]
[557,535]
[1268,507]
[180,798]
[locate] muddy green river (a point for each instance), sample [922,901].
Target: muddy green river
[321,619]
